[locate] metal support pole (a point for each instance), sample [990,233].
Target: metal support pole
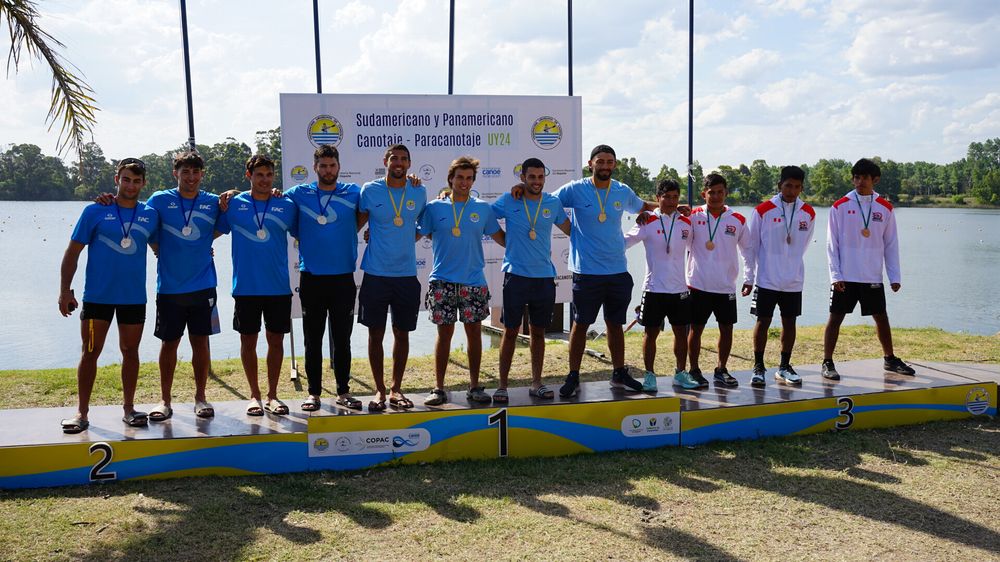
[690,102]
[569,35]
[319,72]
[451,50]
[187,74]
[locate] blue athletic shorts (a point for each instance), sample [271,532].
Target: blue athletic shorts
[536,293]
[591,292]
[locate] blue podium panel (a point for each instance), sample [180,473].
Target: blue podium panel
[525,427]
[865,397]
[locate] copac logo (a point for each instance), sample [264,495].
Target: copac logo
[321,444]
[546,132]
[299,173]
[325,129]
[977,401]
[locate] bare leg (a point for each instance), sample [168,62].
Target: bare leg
[442,349]
[694,344]
[200,363]
[400,353]
[616,345]
[760,333]
[248,356]
[128,341]
[725,343]
[507,344]
[788,333]
[168,364]
[93,333]
[884,333]
[537,347]
[649,346]
[681,344]
[376,358]
[577,343]
[474,339]
[831,334]
[275,355]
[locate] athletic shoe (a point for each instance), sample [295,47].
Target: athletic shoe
[757,381]
[649,382]
[787,375]
[722,377]
[698,378]
[894,364]
[683,379]
[621,379]
[830,371]
[571,387]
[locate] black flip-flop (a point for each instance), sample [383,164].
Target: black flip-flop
[136,419]
[350,402]
[403,403]
[376,406]
[72,426]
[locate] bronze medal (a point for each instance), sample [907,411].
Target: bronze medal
[865,232]
[398,221]
[710,245]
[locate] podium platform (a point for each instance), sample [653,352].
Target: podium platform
[35,453]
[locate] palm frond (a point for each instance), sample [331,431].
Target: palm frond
[72,99]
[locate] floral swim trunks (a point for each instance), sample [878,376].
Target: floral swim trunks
[448,303]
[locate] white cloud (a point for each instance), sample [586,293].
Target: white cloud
[750,66]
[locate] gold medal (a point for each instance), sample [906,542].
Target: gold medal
[602,217]
[865,232]
[398,221]
[710,245]
[456,232]
[531,234]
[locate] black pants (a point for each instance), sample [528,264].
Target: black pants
[322,295]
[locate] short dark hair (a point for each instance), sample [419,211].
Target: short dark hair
[531,163]
[463,163]
[866,167]
[189,159]
[791,173]
[134,165]
[326,151]
[715,179]
[258,160]
[402,147]
[667,185]
[602,148]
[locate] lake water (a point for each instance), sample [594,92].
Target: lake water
[950,261]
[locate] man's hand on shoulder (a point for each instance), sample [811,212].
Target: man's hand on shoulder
[517,191]
[105,198]
[414,180]
[224,198]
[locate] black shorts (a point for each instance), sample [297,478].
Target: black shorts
[705,304]
[676,307]
[126,313]
[379,293]
[591,292]
[871,295]
[276,310]
[536,293]
[764,300]
[191,310]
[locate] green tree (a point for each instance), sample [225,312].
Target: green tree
[635,176]
[736,182]
[225,165]
[93,174]
[28,175]
[269,142]
[71,96]
[762,184]
[829,181]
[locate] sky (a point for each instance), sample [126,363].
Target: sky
[788,81]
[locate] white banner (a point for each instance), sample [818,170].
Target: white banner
[501,131]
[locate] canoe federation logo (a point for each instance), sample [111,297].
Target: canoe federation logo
[299,173]
[546,132]
[977,401]
[325,129]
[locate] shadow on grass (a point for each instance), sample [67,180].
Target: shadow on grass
[216,518]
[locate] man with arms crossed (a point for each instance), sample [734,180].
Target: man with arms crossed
[529,276]
[260,223]
[780,232]
[185,284]
[391,206]
[115,286]
[666,236]
[457,287]
[861,236]
[328,256]
[597,260]
[712,267]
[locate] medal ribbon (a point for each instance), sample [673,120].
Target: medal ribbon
[663,229]
[402,200]
[187,214]
[126,231]
[458,217]
[259,219]
[708,223]
[527,214]
[788,222]
[598,193]
[868,218]
[319,201]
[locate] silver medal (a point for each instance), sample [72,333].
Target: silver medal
[262,234]
[186,231]
[321,219]
[126,243]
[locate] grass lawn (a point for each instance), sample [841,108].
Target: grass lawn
[921,492]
